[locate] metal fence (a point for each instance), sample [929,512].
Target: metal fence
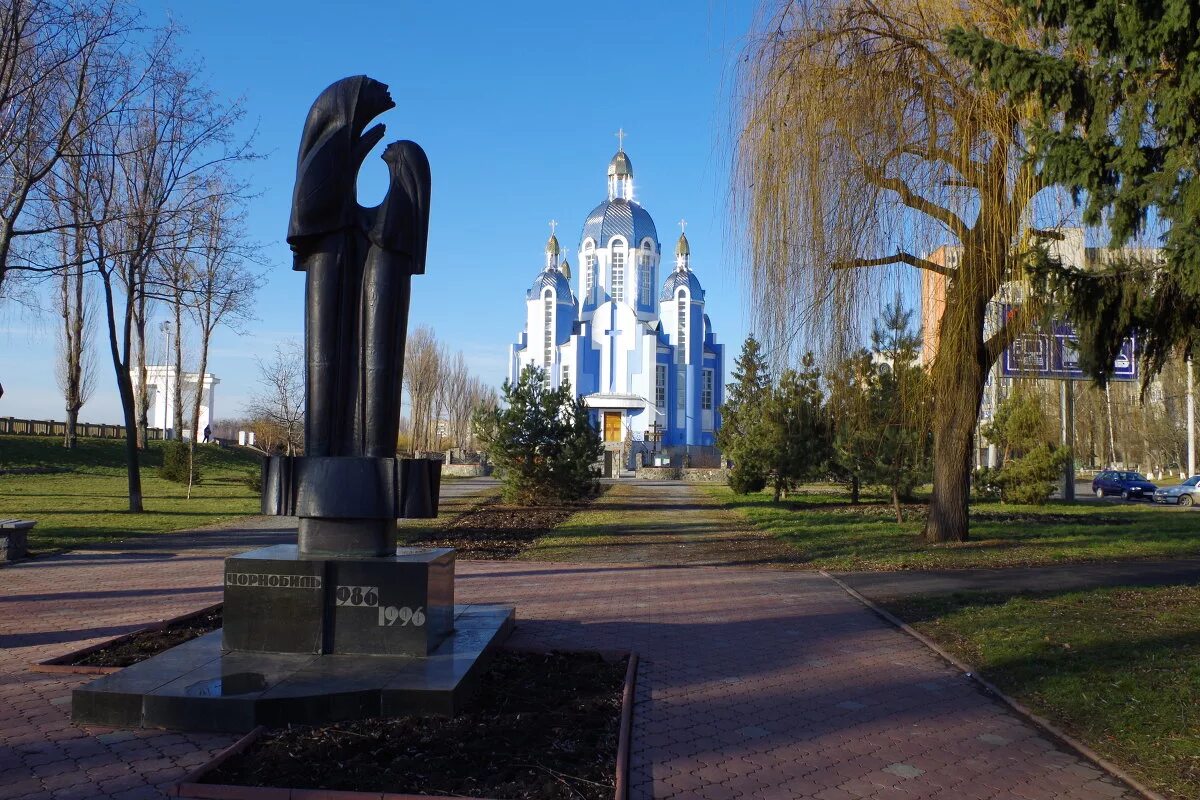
[47,427]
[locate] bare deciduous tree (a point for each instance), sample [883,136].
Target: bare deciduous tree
[221,288]
[423,359]
[280,402]
[147,168]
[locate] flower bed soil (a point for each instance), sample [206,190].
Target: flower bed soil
[542,726]
[143,644]
[494,531]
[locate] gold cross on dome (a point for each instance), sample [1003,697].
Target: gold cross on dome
[620,134]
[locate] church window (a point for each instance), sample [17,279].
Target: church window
[682,321]
[706,391]
[646,276]
[681,391]
[548,336]
[589,272]
[617,289]
[660,385]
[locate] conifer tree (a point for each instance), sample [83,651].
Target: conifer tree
[796,429]
[742,434]
[1117,87]
[882,402]
[541,440]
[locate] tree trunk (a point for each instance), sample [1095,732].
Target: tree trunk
[117,349]
[958,375]
[896,504]
[855,490]
[177,388]
[70,434]
[197,401]
[133,472]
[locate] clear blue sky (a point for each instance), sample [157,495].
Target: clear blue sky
[516,105]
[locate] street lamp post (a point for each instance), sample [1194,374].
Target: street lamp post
[166,330]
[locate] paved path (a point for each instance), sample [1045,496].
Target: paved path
[663,523]
[754,683]
[1053,578]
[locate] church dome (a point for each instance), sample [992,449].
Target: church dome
[620,166]
[552,248]
[681,279]
[683,248]
[552,278]
[619,217]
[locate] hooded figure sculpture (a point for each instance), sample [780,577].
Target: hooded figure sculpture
[358,263]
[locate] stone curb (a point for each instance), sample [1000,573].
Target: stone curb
[191,787]
[625,737]
[1041,722]
[61,665]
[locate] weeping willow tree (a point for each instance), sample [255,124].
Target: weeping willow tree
[863,145]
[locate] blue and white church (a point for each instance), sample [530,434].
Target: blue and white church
[638,348]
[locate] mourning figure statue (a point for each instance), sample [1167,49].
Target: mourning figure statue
[358,264]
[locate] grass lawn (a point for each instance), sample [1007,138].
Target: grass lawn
[88,505]
[828,533]
[1119,669]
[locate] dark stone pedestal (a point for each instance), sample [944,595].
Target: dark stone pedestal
[348,505]
[277,601]
[199,686]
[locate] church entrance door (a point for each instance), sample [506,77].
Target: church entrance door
[612,426]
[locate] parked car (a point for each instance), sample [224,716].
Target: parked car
[1185,494]
[1130,485]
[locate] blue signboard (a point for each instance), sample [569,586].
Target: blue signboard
[1053,354]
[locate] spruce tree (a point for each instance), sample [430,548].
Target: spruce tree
[796,429]
[541,441]
[1118,89]
[742,437]
[881,400]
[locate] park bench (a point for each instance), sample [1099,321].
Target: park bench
[14,538]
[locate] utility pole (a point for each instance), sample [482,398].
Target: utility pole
[166,330]
[1067,397]
[1112,436]
[1191,419]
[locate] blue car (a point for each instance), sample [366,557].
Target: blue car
[1129,485]
[1185,494]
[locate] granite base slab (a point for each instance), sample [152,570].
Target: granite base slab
[278,600]
[198,686]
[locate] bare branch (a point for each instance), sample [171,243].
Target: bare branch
[898,258]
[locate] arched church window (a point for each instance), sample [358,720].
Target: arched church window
[548,335]
[682,322]
[645,274]
[589,272]
[617,287]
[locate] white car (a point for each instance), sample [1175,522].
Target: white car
[1185,494]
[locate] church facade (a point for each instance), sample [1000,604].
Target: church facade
[631,336]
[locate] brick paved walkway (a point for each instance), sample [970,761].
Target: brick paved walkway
[754,683]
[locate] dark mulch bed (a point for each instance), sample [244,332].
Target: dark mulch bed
[542,725]
[143,645]
[494,531]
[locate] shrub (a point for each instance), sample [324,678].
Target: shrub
[175,463]
[1032,478]
[985,485]
[746,480]
[253,480]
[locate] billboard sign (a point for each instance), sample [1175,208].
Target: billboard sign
[1053,354]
